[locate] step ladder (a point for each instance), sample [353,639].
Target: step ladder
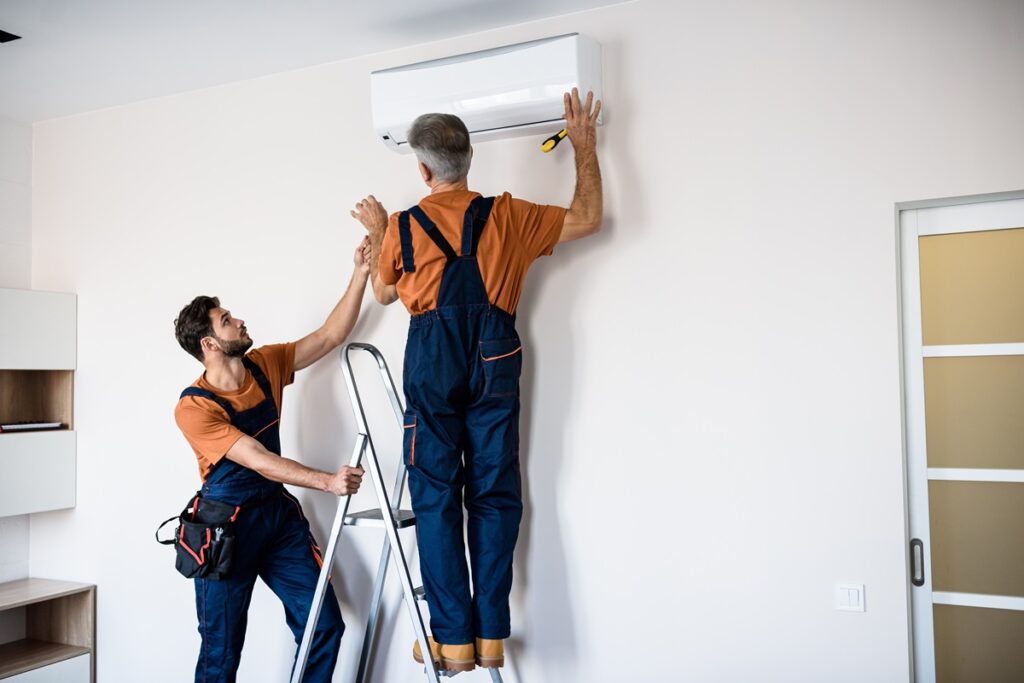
[390,516]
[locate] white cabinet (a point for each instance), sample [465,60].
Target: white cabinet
[37,377]
[37,472]
[74,670]
[39,330]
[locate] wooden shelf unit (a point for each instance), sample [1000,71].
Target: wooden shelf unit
[37,396]
[60,625]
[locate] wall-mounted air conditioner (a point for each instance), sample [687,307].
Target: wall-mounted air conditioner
[502,92]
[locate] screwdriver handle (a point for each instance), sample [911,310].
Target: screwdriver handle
[550,143]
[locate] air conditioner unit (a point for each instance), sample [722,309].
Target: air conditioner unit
[499,93]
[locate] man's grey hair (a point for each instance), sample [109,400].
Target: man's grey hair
[441,143]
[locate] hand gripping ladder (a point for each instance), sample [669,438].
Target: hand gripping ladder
[390,516]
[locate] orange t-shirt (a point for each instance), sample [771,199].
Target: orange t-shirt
[516,234]
[206,425]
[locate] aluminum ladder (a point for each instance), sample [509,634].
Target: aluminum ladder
[390,516]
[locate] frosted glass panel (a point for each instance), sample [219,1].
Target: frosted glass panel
[976,530]
[978,645]
[972,287]
[974,411]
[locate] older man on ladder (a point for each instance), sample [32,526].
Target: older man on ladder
[457,260]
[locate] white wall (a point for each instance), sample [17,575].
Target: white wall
[15,267]
[15,204]
[15,271]
[712,427]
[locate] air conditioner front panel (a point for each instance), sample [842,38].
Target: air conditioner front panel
[505,88]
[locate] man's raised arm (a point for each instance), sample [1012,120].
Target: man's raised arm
[342,319]
[586,211]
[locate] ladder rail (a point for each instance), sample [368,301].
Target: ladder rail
[376,600]
[302,656]
[382,495]
[364,448]
[385,373]
[373,615]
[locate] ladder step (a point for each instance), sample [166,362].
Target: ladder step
[403,518]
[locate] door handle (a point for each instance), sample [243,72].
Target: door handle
[917,562]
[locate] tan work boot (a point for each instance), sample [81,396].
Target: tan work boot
[490,654]
[448,657]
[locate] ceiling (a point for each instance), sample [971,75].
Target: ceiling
[81,55]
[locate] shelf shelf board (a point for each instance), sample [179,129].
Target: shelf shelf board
[30,591]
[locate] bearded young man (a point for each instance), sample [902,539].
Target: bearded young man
[230,416]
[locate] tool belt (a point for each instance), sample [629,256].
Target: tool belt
[204,540]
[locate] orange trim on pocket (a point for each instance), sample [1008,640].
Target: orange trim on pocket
[316,555]
[504,355]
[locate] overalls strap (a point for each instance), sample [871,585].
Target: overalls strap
[203,393]
[260,378]
[432,232]
[405,237]
[257,373]
[473,223]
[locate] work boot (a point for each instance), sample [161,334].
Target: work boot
[447,657]
[490,654]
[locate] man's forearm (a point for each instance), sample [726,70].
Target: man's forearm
[336,328]
[587,208]
[248,452]
[346,312]
[376,240]
[288,471]
[588,200]
[381,291]
[385,294]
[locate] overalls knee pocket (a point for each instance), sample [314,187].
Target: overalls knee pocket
[503,363]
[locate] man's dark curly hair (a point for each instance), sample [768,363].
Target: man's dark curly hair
[193,323]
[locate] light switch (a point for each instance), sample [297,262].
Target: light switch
[850,597]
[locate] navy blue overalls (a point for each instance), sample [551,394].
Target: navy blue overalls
[273,541]
[462,366]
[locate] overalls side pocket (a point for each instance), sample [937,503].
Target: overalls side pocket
[503,363]
[409,438]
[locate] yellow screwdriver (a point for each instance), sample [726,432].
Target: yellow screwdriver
[550,143]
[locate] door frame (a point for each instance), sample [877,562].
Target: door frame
[911,224]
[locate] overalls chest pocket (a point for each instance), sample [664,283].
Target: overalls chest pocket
[502,361]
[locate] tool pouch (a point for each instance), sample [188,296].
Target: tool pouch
[204,540]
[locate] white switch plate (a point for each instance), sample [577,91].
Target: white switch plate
[850,597]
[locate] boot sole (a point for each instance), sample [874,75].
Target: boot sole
[490,662]
[459,665]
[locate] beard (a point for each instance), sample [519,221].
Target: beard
[235,348]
